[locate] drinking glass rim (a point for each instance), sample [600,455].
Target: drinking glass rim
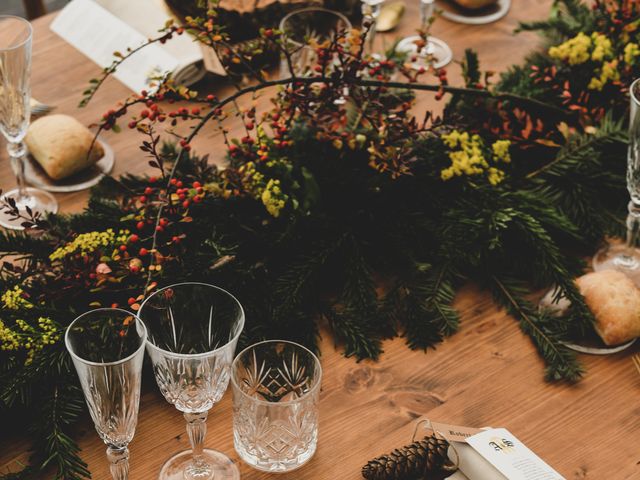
[315,386]
[633,93]
[106,364]
[312,9]
[194,355]
[26,40]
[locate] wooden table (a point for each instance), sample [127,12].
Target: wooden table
[487,374]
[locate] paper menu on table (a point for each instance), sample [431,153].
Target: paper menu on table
[98,28]
[511,457]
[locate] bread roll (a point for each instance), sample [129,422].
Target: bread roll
[474,4]
[615,302]
[60,145]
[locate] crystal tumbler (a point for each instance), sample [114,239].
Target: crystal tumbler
[276,385]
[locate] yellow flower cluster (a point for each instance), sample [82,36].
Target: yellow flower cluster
[599,49]
[609,72]
[269,192]
[28,338]
[14,299]
[87,243]
[575,50]
[273,198]
[631,52]
[468,158]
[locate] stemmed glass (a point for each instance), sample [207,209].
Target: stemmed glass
[434,52]
[626,256]
[193,331]
[15,113]
[370,13]
[107,349]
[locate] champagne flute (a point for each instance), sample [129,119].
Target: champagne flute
[193,331]
[434,52]
[370,13]
[107,349]
[625,257]
[15,112]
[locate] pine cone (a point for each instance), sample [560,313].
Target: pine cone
[411,461]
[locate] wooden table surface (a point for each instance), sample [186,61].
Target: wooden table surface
[486,374]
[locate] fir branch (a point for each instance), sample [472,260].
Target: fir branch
[347,328]
[561,362]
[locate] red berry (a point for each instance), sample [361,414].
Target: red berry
[186,204]
[142,199]
[131,301]
[182,196]
[114,305]
[173,181]
[195,111]
[123,248]
[175,239]
[133,124]
[134,268]
[197,184]
[159,229]
[197,199]
[164,222]
[148,191]
[134,238]
[211,98]
[179,184]
[144,113]
[152,179]
[143,252]
[140,225]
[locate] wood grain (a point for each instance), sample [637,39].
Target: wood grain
[487,374]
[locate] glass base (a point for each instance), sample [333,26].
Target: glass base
[222,467]
[438,50]
[619,257]
[36,200]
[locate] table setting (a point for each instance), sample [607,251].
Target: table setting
[320,231]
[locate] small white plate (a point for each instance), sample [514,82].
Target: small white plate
[36,176]
[481,16]
[592,346]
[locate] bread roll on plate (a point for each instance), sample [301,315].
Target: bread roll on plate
[60,144]
[615,302]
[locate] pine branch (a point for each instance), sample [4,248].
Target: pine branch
[561,362]
[347,328]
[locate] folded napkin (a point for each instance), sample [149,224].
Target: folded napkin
[457,476]
[471,464]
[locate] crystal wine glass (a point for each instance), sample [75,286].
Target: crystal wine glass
[626,256]
[434,52]
[107,348]
[15,113]
[193,331]
[276,389]
[370,13]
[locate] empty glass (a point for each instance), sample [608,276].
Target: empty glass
[276,385]
[107,348]
[434,52]
[370,12]
[193,331]
[626,256]
[15,113]
[301,27]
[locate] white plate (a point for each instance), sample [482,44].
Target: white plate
[481,16]
[593,346]
[36,176]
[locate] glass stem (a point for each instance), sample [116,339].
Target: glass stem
[370,15]
[119,460]
[197,430]
[633,227]
[17,151]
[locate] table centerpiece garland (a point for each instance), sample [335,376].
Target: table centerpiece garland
[338,206]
